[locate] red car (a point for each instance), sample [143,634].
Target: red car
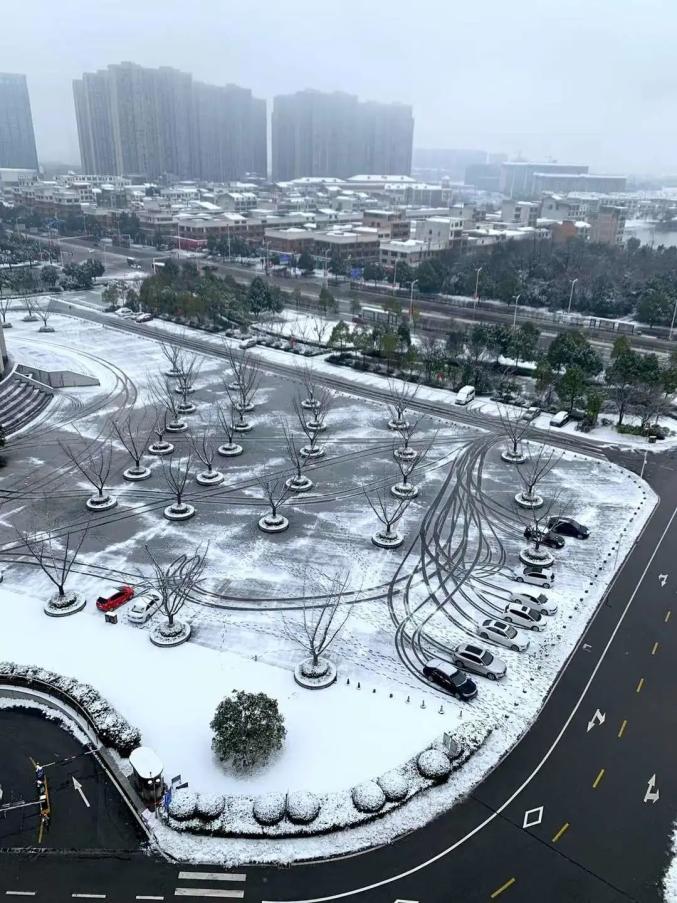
[110,603]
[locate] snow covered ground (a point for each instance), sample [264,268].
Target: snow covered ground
[670,877]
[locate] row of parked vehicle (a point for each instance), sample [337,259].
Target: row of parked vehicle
[144,607]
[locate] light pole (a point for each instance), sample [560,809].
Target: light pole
[674,314]
[571,295]
[477,289]
[514,317]
[411,302]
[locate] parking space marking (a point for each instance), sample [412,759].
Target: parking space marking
[598,778]
[640,685]
[622,729]
[667,616]
[561,831]
[499,890]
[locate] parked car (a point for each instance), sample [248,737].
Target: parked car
[502,633]
[450,679]
[536,577]
[144,318]
[124,312]
[248,343]
[144,607]
[465,395]
[545,537]
[523,616]
[567,526]
[479,660]
[530,414]
[560,419]
[539,603]
[120,596]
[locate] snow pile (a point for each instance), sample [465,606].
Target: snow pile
[670,877]
[368,797]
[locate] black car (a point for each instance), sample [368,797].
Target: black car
[567,526]
[451,679]
[546,538]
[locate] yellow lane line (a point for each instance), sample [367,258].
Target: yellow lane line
[655,646]
[598,778]
[640,685]
[503,887]
[667,616]
[561,831]
[623,726]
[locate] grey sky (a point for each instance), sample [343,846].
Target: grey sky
[581,81]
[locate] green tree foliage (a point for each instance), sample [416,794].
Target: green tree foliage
[573,349]
[656,304]
[373,272]
[340,335]
[338,265]
[306,262]
[524,342]
[404,274]
[571,386]
[248,729]
[49,275]
[327,302]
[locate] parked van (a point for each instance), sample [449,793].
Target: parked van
[560,418]
[465,395]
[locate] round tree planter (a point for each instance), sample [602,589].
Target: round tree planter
[310,404]
[397,424]
[385,541]
[162,635]
[46,329]
[540,559]
[187,408]
[513,458]
[30,319]
[299,484]
[245,408]
[135,475]
[270,524]
[160,448]
[188,390]
[308,452]
[405,454]
[317,426]
[230,450]
[68,606]
[404,491]
[209,478]
[173,374]
[244,427]
[179,512]
[525,502]
[177,426]
[323,675]
[105,503]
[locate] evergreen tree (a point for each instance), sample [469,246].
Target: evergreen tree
[248,728]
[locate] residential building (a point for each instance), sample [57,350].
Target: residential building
[439,232]
[566,182]
[17,139]
[388,223]
[317,134]
[517,178]
[290,241]
[359,245]
[237,201]
[607,225]
[48,199]
[523,213]
[556,207]
[411,251]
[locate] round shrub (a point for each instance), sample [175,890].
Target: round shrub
[434,764]
[209,805]
[368,797]
[182,804]
[394,785]
[248,728]
[269,809]
[302,806]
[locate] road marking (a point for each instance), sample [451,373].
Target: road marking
[20,893]
[652,795]
[525,783]
[598,778]
[89,896]
[146,897]
[597,718]
[623,726]
[208,892]
[655,646]
[503,887]
[211,876]
[561,831]
[662,579]
[533,817]
[640,685]
[667,616]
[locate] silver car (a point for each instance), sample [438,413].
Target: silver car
[502,633]
[522,616]
[539,603]
[479,660]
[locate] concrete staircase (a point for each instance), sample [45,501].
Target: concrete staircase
[22,398]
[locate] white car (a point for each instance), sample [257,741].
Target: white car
[144,318]
[124,312]
[144,607]
[523,616]
[248,343]
[539,603]
[502,633]
[536,577]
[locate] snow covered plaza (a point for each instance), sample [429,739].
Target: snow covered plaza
[462,537]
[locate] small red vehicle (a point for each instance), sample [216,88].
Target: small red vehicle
[110,603]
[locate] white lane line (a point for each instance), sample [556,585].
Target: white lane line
[529,778]
[147,897]
[20,893]
[89,896]
[211,876]
[208,892]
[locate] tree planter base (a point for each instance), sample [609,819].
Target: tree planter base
[511,457]
[104,503]
[61,608]
[160,448]
[179,512]
[270,524]
[209,478]
[46,329]
[405,454]
[299,484]
[188,408]
[173,373]
[243,427]
[135,475]
[310,404]
[6,325]
[230,451]
[404,491]
[540,559]
[385,541]
[317,426]
[30,319]
[188,390]
[161,634]
[397,424]
[308,452]
[245,408]
[234,387]
[177,426]
[525,501]
[315,678]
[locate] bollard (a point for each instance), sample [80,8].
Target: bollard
[441,710]
[408,698]
[391,696]
[358,685]
[374,690]
[348,682]
[423,703]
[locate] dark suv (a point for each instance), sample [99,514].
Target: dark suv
[567,526]
[545,538]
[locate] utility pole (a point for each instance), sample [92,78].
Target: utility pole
[674,314]
[477,287]
[571,295]
[514,318]
[411,303]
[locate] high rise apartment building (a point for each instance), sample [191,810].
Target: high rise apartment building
[319,134]
[17,139]
[155,122]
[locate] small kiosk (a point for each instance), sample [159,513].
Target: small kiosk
[147,776]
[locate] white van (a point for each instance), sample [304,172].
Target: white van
[465,395]
[560,418]
[144,607]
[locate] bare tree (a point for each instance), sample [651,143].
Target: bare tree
[173,355]
[312,449]
[325,399]
[319,330]
[55,553]
[401,394]
[4,310]
[189,369]
[240,423]
[389,514]
[406,452]
[532,472]
[320,625]
[299,482]
[135,438]
[204,448]
[95,467]
[163,395]
[245,379]
[174,583]
[44,313]
[160,446]
[310,402]
[29,304]
[275,492]
[229,449]
[406,466]
[515,430]
[537,529]
[175,472]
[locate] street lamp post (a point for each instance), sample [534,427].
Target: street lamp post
[571,295]
[411,302]
[477,289]
[514,317]
[674,314]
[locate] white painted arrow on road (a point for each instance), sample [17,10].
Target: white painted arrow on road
[78,787]
[651,795]
[597,718]
[662,579]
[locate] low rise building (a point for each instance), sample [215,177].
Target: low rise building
[389,224]
[607,225]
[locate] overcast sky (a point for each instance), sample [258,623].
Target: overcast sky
[577,81]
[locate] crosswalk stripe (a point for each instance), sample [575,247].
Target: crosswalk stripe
[211,876]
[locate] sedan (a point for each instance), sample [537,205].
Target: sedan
[120,596]
[523,616]
[479,660]
[536,577]
[504,634]
[544,537]
[144,318]
[530,414]
[567,526]
[450,679]
[539,603]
